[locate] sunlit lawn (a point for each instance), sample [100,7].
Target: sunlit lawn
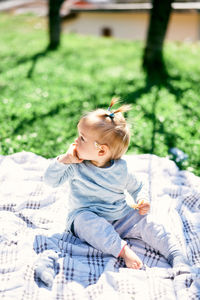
[43,94]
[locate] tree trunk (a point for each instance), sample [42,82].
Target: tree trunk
[54,23]
[153,53]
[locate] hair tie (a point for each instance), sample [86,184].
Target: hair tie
[111,115]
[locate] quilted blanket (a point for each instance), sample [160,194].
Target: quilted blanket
[32,220]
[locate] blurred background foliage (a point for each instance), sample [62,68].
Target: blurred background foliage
[44,93]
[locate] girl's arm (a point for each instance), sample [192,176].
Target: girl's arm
[139,192]
[57,173]
[61,168]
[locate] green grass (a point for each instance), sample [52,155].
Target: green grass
[43,94]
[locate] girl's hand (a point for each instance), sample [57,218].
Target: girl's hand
[71,156]
[143,207]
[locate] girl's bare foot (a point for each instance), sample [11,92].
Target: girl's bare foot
[131,259]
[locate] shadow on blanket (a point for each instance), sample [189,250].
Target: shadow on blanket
[78,261]
[32,219]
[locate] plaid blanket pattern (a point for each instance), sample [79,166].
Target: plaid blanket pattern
[33,216]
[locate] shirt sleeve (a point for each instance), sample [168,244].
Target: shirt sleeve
[138,189]
[57,173]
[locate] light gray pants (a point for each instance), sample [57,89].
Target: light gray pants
[108,237]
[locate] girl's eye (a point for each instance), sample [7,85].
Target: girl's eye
[82,139]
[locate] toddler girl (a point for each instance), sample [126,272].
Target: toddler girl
[98,178]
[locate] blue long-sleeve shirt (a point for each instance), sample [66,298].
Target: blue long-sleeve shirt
[100,190]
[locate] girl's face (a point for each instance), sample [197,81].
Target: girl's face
[87,149]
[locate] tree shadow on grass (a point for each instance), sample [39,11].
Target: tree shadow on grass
[158,81]
[34,58]
[53,111]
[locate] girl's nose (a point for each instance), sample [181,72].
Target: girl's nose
[76,140]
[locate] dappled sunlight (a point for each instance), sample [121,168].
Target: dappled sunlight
[44,93]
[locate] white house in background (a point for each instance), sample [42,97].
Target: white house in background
[130,20]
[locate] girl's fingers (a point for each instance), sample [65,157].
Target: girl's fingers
[72,154]
[145,205]
[144,208]
[75,153]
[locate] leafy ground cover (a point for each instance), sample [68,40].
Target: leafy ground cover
[43,94]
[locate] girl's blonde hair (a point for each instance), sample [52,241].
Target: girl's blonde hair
[110,128]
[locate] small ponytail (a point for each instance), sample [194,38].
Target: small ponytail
[113,102]
[121,109]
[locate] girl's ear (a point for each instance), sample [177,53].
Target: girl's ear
[103,150]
